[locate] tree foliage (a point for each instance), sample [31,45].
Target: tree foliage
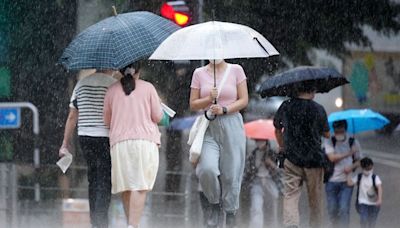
[295,26]
[38,32]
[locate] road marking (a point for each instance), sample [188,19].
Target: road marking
[380,154]
[384,158]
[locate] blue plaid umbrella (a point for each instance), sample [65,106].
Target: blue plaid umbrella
[285,84]
[117,41]
[359,120]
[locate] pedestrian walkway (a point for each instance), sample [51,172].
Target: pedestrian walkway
[184,211]
[389,159]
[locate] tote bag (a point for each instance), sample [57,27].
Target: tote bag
[198,130]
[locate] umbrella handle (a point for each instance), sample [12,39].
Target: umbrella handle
[114,10]
[213,117]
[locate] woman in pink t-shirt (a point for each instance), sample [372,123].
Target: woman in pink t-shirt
[221,163]
[132,110]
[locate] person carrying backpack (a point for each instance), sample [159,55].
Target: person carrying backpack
[264,180]
[343,155]
[369,193]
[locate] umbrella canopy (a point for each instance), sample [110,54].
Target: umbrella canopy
[260,129]
[117,41]
[214,40]
[322,78]
[359,120]
[181,124]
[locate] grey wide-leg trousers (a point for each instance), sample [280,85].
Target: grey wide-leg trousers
[221,164]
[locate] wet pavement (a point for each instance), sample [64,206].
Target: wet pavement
[182,208]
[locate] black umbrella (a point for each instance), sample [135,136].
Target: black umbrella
[322,79]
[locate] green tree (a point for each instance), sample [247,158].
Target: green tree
[294,27]
[38,32]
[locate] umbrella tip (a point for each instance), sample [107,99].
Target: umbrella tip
[114,10]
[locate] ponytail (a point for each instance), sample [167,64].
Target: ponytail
[128,82]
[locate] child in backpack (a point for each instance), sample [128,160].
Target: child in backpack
[369,193]
[264,180]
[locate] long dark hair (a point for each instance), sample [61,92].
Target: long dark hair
[128,82]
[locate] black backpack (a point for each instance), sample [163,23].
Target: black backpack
[329,166]
[358,189]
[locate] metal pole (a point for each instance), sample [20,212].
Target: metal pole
[4,192]
[25,105]
[14,186]
[36,152]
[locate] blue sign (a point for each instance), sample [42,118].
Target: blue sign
[10,117]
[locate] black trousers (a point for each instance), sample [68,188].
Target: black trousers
[96,151]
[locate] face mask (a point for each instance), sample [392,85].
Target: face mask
[340,137]
[367,172]
[217,61]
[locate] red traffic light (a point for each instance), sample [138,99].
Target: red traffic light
[168,11]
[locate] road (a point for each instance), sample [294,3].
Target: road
[183,209]
[384,150]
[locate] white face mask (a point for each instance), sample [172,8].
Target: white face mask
[367,172]
[217,61]
[340,137]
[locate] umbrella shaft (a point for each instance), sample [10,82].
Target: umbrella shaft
[215,77]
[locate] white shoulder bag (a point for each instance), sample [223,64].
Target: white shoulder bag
[198,130]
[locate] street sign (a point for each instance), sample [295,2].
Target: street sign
[10,117]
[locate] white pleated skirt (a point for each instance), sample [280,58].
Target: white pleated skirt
[134,165]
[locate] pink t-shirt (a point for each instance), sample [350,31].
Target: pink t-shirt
[204,81]
[134,116]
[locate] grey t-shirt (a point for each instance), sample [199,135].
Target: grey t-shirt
[342,147]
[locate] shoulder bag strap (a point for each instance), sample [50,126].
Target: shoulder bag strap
[333,139]
[351,143]
[374,183]
[358,186]
[228,67]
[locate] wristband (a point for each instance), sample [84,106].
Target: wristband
[224,110]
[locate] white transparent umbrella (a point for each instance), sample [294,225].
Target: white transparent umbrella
[214,40]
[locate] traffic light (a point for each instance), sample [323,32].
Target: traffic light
[176,11]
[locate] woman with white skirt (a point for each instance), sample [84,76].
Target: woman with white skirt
[132,110]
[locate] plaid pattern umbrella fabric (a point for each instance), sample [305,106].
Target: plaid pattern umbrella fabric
[117,41]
